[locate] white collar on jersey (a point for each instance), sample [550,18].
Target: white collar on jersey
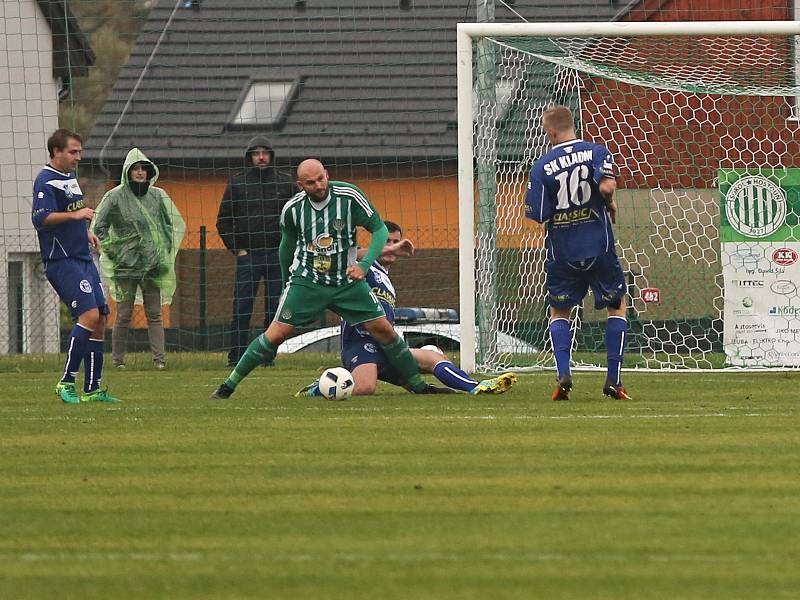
[567,143]
[54,170]
[379,267]
[323,203]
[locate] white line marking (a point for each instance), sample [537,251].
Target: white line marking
[421,557]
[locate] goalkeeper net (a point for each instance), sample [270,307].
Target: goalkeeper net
[703,129]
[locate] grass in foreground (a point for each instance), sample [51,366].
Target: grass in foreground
[688,491]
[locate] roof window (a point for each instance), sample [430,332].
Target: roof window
[264,104]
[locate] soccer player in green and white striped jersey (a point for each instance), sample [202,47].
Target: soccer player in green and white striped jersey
[318,265]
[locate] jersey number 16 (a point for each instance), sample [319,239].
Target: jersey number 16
[573,185]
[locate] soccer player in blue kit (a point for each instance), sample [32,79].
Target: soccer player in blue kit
[362,355]
[572,190]
[61,220]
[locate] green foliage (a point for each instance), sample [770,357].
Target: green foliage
[689,491]
[112,27]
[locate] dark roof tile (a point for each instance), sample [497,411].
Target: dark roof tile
[378,82]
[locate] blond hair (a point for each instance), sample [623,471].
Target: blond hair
[558,117]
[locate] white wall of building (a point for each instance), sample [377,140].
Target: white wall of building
[28,114]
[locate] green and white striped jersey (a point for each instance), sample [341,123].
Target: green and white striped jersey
[326,232]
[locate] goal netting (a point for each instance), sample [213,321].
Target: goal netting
[704,130]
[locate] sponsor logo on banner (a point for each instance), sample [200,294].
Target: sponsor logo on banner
[747,304]
[755,206]
[751,327]
[744,258]
[784,257]
[784,311]
[775,355]
[784,287]
[748,283]
[791,330]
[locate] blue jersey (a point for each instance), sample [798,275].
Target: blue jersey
[54,192]
[563,191]
[378,280]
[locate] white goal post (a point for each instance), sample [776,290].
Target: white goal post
[685,239]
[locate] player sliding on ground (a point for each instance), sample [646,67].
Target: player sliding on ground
[572,190]
[318,264]
[363,357]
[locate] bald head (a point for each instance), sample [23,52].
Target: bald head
[308,168]
[312,178]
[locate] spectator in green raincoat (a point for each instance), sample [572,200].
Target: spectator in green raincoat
[140,231]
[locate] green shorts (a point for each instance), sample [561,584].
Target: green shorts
[303,302]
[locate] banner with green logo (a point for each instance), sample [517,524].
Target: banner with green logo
[760,244]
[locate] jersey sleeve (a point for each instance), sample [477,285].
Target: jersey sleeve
[288,243]
[287,223]
[603,164]
[363,213]
[44,203]
[537,202]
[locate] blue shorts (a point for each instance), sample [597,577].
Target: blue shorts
[568,282]
[366,351]
[77,283]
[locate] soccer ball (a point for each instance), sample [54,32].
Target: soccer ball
[336,383]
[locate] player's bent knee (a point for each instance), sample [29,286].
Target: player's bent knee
[381,330]
[559,313]
[91,319]
[277,333]
[365,388]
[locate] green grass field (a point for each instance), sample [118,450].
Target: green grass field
[690,491]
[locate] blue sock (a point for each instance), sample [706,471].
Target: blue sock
[562,345]
[76,348]
[93,366]
[453,377]
[616,330]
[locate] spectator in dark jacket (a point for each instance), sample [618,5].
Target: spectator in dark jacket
[249,224]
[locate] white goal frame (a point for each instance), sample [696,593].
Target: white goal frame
[466,33]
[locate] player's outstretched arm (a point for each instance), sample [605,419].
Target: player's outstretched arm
[404,247]
[376,245]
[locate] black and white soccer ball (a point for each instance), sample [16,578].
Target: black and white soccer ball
[336,383]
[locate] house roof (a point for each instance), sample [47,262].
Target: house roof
[72,54]
[376,78]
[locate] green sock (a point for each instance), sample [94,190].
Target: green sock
[258,352]
[401,359]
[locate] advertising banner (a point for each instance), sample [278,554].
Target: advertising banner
[760,245]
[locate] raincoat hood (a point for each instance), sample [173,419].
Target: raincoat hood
[133,157]
[254,143]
